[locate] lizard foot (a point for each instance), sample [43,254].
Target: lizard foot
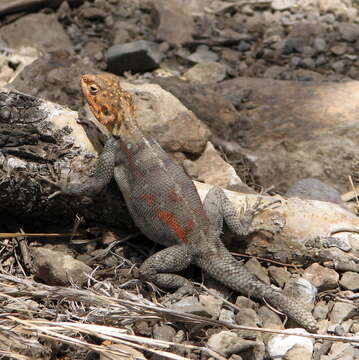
[248,212]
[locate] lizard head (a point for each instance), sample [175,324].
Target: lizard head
[107,100]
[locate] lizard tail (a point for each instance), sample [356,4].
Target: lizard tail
[222,266]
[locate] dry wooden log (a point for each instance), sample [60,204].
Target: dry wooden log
[41,141]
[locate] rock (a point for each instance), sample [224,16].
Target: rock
[350,281]
[208,105]
[338,66]
[342,351]
[56,268]
[227,316]
[339,49]
[321,310]
[124,351]
[279,274]
[94,13]
[279,345]
[282,4]
[316,190]
[212,169]
[136,56]
[163,332]
[163,117]
[227,343]
[254,267]
[321,277]
[212,304]
[206,73]
[319,44]
[270,319]
[301,289]
[41,31]
[55,77]
[190,305]
[298,352]
[338,7]
[340,312]
[248,317]
[174,25]
[349,31]
[246,303]
[203,55]
[283,152]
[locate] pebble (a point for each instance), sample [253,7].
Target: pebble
[321,277]
[203,54]
[206,73]
[279,345]
[340,312]
[282,4]
[136,56]
[319,44]
[350,281]
[227,343]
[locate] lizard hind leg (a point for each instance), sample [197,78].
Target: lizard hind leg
[159,267]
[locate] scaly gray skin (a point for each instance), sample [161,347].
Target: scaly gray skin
[166,207]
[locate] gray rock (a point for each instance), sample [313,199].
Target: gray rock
[57,268]
[136,56]
[227,343]
[41,31]
[227,316]
[203,54]
[270,319]
[254,267]
[248,317]
[342,351]
[321,277]
[163,332]
[206,73]
[314,189]
[282,4]
[212,304]
[340,312]
[319,44]
[321,310]
[190,305]
[298,352]
[174,24]
[279,274]
[339,49]
[350,281]
[301,289]
[338,66]
[349,31]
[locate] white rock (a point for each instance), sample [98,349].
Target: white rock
[278,345]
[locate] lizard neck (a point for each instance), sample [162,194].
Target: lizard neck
[128,130]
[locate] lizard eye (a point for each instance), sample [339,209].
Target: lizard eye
[93,89]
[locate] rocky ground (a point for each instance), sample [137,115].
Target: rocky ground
[271,86]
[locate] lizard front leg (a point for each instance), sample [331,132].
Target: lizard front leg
[103,174]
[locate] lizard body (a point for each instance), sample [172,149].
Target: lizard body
[166,207]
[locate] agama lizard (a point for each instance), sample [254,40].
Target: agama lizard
[166,207]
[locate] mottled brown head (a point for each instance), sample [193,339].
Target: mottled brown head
[107,100]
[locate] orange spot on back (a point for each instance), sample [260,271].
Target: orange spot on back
[172,195]
[150,199]
[170,219]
